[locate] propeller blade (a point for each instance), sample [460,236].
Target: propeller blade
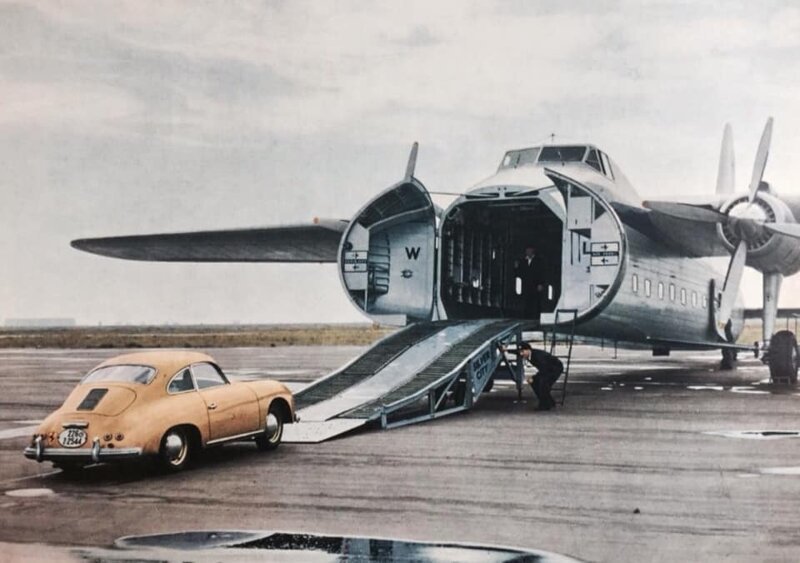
[686,211]
[788,229]
[726,174]
[732,280]
[412,161]
[761,160]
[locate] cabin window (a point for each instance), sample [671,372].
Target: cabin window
[182,381]
[672,292]
[683,296]
[705,302]
[694,299]
[646,288]
[207,376]
[661,290]
[635,283]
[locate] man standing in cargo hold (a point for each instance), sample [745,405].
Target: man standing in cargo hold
[530,272]
[549,369]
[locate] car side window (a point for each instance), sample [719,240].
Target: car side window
[207,376]
[181,381]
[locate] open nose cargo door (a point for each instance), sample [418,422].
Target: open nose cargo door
[387,257]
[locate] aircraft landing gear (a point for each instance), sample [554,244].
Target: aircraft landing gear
[728,361]
[782,357]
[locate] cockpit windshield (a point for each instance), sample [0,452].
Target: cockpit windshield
[562,154]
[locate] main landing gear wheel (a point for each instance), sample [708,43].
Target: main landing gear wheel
[273,430]
[728,361]
[175,450]
[783,357]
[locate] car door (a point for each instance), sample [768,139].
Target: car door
[232,409]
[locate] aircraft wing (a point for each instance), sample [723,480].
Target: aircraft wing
[316,242]
[695,238]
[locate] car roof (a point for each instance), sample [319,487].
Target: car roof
[168,361]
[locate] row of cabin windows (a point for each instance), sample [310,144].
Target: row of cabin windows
[648,290]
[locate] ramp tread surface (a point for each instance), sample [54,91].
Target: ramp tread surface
[369,364]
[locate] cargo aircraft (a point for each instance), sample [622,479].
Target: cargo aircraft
[618,268]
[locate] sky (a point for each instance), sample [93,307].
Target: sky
[139,117]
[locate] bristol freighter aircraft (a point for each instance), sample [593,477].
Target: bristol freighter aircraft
[613,267]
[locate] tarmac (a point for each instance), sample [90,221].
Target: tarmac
[657,459]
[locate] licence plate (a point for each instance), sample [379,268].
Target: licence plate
[72,438]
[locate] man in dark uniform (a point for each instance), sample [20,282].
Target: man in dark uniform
[531,272]
[549,369]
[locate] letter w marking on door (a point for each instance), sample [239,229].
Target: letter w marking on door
[412,252]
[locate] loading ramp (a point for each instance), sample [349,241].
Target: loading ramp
[422,372]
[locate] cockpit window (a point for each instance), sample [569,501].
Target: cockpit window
[607,165]
[124,374]
[510,160]
[519,158]
[593,160]
[527,156]
[562,154]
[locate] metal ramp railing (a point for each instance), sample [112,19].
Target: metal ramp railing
[568,339]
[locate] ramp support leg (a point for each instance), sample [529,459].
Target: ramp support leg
[519,371]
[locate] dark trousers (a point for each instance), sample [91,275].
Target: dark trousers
[542,384]
[533,303]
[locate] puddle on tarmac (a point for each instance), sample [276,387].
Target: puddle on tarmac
[749,390]
[780,471]
[270,546]
[30,492]
[756,434]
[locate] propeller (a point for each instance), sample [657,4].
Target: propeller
[743,225]
[733,278]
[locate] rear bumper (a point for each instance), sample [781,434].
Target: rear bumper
[95,454]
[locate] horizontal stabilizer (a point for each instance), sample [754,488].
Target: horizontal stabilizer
[317,242]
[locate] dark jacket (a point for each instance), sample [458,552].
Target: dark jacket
[545,362]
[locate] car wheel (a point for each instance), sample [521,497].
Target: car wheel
[175,450]
[783,358]
[273,429]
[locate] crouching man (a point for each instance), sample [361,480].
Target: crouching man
[549,369]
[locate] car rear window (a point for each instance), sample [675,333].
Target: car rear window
[123,374]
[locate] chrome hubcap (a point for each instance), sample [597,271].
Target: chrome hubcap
[175,448]
[273,430]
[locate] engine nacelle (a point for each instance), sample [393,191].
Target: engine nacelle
[766,251]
